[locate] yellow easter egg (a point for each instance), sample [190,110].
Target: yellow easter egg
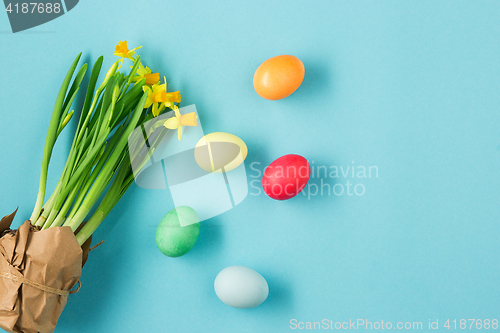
[220,152]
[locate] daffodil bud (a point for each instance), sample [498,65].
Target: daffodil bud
[67,119]
[109,74]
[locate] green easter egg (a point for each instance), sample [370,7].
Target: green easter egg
[172,239]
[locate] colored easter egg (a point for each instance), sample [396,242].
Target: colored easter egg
[286,176]
[174,240]
[220,151]
[241,287]
[278,77]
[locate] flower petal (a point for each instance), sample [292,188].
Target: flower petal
[189,119]
[156,110]
[121,49]
[158,97]
[148,103]
[139,47]
[179,132]
[174,96]
[141,71]
[152,79]
[172,123]
[149,99]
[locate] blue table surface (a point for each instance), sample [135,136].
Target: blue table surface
[409,88]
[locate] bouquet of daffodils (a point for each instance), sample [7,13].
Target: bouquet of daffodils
[41,262]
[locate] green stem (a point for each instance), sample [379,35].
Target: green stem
[47,208]
[108,170]
[61,216]
[107,203]
[51,139]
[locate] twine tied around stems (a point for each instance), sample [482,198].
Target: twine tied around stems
[40,286]
[96,246]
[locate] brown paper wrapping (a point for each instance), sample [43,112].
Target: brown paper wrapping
[49,258]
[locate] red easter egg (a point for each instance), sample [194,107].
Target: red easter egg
[286,177]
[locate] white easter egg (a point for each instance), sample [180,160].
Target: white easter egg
[241,287]
[220,152]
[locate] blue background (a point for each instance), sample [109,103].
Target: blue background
[411,87]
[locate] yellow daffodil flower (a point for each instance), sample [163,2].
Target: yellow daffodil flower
[171,98]
[181,120]
[122,51]
[155,97]
[145,73]
[160,99]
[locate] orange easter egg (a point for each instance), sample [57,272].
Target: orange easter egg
[278,77]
